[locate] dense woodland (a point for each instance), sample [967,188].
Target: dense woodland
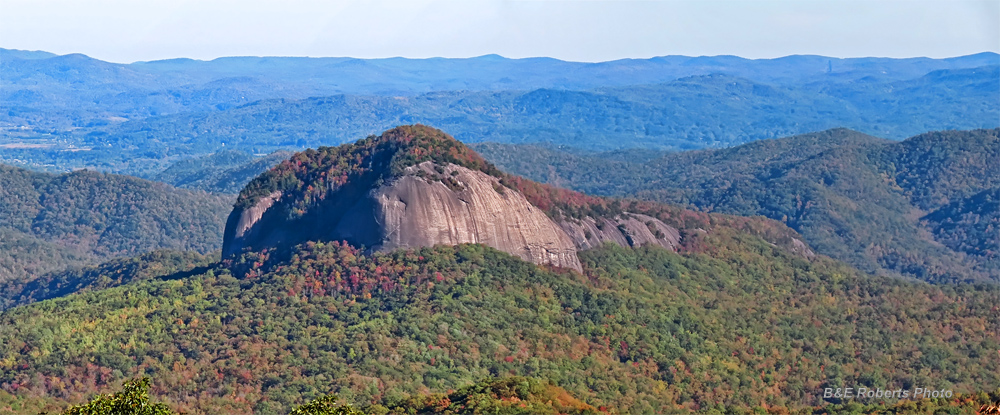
[156,264]
[50,222]
[970,224]
[923,207]
[514,395]
[505,396]
[741,324]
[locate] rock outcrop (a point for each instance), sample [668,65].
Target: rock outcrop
[244,229]
[626,229]
[473,207]
[368,198]
[414,210]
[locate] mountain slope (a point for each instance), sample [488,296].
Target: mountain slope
[970,225]
[53,221]
[121,271]
[851,196]
[741,324]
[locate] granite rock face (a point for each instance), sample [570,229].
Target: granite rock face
[471,207]
[627,229]
[241,226]
[432,204]
[426,206]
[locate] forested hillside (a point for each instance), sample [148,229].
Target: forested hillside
[970,224]
[49,222]
[156,264]
[921,207]
[736,326]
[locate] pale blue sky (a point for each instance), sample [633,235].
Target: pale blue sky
[131,30]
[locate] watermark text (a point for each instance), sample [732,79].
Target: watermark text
[862,392]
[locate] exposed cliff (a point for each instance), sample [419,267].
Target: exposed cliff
[386,204]
[416,186]
[414,210]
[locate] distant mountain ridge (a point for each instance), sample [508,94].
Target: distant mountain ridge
[395,76]
[72,111]
[688,113]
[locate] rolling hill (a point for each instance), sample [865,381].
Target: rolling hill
[225,171]
[49,222]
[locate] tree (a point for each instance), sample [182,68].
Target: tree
[132,400]
[325,405]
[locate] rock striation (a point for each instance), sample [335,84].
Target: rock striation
[414,211]
[626,229]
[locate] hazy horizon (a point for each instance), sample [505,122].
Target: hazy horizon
[509,58]
[579,31]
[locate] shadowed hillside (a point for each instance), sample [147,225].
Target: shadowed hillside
[49,222]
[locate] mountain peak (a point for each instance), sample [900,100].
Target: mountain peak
[416,186]
[419,143]
[411,186]
[375,158]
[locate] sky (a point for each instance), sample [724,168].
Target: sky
[589,31]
